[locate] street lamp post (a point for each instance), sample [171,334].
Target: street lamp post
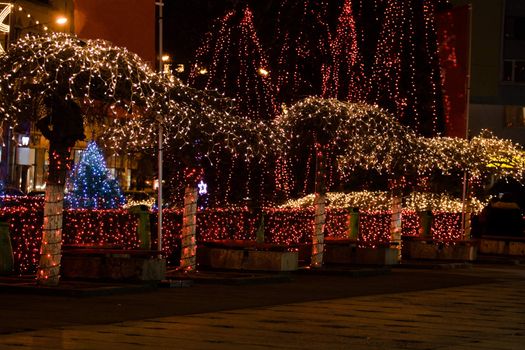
[160,4]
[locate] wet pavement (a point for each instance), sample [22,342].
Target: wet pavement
[477,307]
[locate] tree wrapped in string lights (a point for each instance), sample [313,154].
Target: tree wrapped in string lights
[405,75]
[199,127]
[482,156]
[302,53]
[358,136]
[377,141]
[232,61]
[59,81]
[345,79]
[314,122]
[90,185]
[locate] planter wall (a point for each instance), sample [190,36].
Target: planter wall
[511,246]
[116,267]
[247,259]
[421,249]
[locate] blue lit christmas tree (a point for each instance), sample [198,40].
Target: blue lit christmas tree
[90,184]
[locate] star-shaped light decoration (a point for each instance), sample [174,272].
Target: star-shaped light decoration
[203,187]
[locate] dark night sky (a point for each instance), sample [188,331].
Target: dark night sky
[186,22]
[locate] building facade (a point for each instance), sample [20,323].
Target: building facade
[131,24]
[497,94]
[23,151]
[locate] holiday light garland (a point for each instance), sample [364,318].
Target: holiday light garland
[381,201]
[483,154]
[359,135]
[84,70]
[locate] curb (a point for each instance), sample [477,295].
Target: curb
[346,271]
[226,277]
[75,289]
[431,265]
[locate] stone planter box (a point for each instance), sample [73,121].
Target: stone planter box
[111,264]
[340,251]
[377,256]
[422,249]
[254,260]
[496,245]
[346,251]
[247,255]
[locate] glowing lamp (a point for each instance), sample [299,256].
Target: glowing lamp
[61,20]
[263,72]
[25,141]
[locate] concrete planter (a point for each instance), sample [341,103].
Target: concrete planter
[493,245]
[346,252]
[421,249]
[377,256]
[249,259]
[117,266]
[340,251]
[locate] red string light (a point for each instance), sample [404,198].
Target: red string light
[288,227]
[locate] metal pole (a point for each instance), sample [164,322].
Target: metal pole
[160,4]
[467,115]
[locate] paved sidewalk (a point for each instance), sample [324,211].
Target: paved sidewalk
[477,308]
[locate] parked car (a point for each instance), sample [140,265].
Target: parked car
[11,197]
[12,192]
[36,193]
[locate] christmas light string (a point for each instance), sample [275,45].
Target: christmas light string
[302,49]
[288,227]
[346,79]
[236,65]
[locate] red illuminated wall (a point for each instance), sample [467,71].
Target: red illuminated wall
[127,23]
[453,33]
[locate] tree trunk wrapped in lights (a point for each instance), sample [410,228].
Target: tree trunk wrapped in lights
[396,220]
[62,126]
[188,259]
[50,250]
[319,206]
